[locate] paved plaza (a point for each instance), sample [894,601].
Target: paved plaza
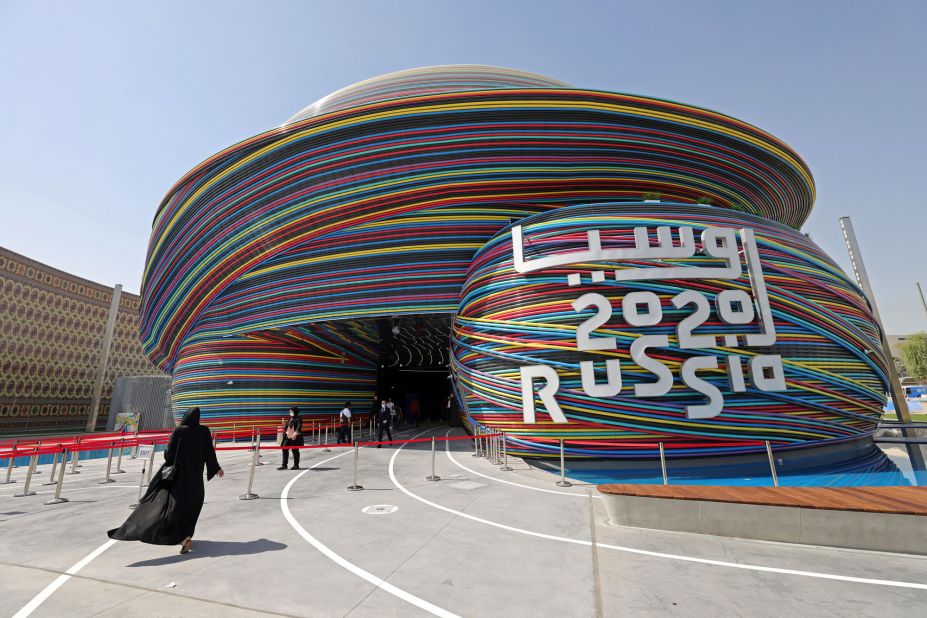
[479,542]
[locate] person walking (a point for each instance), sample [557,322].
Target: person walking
[384,422]
[293,436]
[393,412]
[344,424]
[169,510]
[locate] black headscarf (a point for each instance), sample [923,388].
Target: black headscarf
[295,411]
[191,418]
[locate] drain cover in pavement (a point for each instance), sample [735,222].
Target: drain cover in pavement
[380,509]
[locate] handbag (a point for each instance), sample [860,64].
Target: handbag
[168,473]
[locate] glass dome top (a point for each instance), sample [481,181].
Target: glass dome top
[426,80]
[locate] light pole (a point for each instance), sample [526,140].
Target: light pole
[897,393]
[921,292]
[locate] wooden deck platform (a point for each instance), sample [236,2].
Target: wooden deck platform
[896,500]
[875,518]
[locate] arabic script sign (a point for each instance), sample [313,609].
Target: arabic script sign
[724,258]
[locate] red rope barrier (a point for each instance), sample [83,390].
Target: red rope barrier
[98,443]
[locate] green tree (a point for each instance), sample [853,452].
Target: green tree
[914,354]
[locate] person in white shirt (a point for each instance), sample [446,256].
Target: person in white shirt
[344,424]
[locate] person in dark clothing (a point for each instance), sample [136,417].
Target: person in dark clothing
[384,423]
[344,424]
[293,436]
[168,512]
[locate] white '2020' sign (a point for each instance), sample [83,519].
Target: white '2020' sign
[735,307]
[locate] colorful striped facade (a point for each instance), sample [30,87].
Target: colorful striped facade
[824,332]
[273,264]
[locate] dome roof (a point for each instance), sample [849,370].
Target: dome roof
[425,80]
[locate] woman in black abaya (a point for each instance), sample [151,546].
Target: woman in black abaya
[168,512]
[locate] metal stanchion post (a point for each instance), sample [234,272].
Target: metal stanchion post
[109,467]
[9,467]
[352,431]
[505,455]
[134,454]
[234,431]
[122,447]
[355,486]
[257,449]
[772,464]
[25,491]
[74,457]
[498,448]
[249,495]
[58,499]
[151,462]
[663,465]
[476,442]
[563,482]
[433,477]
[51,476]
[141,483]
[38,444]
[326,449]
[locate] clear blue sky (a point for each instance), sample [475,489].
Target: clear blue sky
[105,104]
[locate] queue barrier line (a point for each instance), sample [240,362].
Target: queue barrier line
[83,446]
[278,447]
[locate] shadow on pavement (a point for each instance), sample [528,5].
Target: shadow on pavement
[213,549]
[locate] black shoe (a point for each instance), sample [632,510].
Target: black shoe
[379,445]
[295,468]
[282,468]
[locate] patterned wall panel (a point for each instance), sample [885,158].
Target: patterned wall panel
[51,333]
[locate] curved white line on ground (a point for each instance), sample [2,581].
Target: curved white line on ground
[61,579]
[40,598]
[447,449]
[350,566]
[644,552]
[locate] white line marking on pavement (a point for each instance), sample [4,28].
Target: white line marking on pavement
[50,589]
[350,566]
[40,598]
[447,449]
[644,552]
